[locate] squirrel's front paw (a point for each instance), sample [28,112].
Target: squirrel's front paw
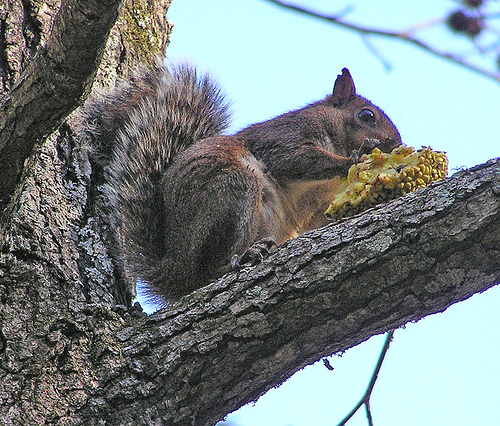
[255,254]
[365,148]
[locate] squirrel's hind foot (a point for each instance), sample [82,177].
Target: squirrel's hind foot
[255,254]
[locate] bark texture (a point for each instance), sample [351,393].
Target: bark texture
[53,74]
[50,86]
[322,293]
[72,351]
[70,361]
[54,261]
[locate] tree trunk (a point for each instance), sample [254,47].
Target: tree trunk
[72,351]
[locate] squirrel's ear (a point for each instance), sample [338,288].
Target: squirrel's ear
[344,86]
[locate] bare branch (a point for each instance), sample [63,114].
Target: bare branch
[375,52]
[321,293]
[53,84]
[422,25]
[365,399]
[399,35]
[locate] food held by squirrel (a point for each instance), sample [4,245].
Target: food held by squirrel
[380,176]
[187,201]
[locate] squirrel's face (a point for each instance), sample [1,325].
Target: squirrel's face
[366,121]
[361,119]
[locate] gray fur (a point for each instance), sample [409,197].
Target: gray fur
[184,199]
[134,132]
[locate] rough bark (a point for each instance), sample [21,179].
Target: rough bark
[54,260]
[61,71]
[71,353]
[321,293]
[51,84]
[226,344]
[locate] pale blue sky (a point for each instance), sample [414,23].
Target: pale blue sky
[443,369]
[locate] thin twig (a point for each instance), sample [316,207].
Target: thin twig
[375,52]
[422,25]
[402,36]
[365,400]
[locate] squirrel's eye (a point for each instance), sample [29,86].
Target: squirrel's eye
[367,116]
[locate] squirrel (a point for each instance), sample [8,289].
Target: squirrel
[187,201]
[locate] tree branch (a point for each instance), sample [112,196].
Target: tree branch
[402,36]
[53,84]
[324,292]
[365,399]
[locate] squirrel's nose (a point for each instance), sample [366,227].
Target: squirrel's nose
[388,144]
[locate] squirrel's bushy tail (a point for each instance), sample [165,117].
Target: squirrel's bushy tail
[134,132]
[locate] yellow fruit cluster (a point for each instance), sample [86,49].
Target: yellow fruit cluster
[379,177]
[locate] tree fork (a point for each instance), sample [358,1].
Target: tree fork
[58,76]
[69,355]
